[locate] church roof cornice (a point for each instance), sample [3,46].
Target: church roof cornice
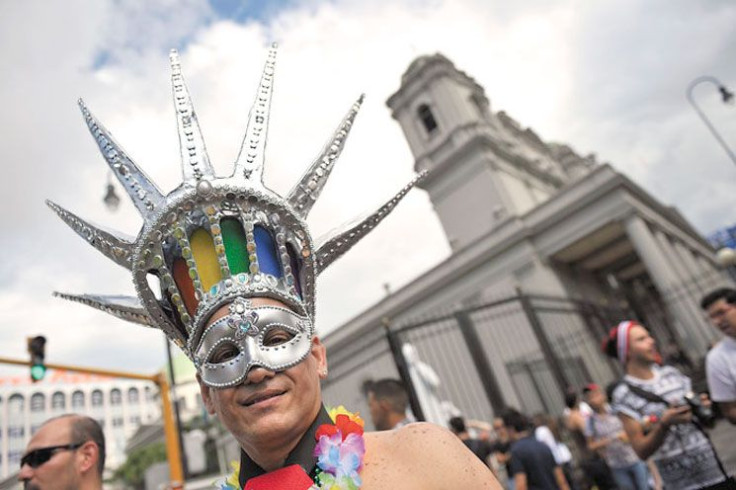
[468,137]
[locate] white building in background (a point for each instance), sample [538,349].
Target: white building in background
[119,405]
[186,391]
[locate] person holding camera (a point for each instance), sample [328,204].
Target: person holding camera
[660,415]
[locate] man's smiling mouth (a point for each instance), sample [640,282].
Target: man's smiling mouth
[261,396]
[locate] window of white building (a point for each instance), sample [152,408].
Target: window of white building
[38,401]
[97,398]
[58,401]
[116,397]
[77,400]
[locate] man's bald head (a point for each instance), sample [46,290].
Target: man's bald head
[83,429]
[67,451]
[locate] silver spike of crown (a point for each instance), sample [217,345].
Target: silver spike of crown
[113,245]
[144,193]
[341,241]
[303,196]
[194,159]
[125,307]
[249,164]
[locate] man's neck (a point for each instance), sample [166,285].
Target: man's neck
[523,434]
[639,369]
[274,456]
[395,419]
[90,484]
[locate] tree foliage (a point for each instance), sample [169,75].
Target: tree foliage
[133,471]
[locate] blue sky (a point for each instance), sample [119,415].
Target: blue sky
[605,77]
[249,10]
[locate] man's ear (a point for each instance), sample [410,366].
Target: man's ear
[385,405]
[204,390]
[88,455]
[319,352]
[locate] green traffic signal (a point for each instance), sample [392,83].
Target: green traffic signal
[37,372]
[36,348]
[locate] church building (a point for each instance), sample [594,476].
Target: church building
[530,220]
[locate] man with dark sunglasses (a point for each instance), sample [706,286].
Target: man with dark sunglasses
[67,452]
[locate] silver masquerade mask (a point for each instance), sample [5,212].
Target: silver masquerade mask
[268,336]
[213,241]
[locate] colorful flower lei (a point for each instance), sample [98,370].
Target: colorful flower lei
[339,451]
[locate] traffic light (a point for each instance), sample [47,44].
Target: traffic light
[36,347]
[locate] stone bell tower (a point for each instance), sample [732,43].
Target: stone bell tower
[485,168]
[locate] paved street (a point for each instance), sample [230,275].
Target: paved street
[724,439]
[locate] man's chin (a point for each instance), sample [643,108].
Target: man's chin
[270,422]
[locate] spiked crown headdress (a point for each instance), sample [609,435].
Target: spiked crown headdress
[212,240]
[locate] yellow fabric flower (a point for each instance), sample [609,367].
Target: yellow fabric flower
[341,410]
[232,480]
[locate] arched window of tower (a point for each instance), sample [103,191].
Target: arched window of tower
[428,121]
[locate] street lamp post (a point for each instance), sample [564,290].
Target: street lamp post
[111,199]
[726,95]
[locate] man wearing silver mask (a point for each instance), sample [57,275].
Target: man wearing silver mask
[236,267]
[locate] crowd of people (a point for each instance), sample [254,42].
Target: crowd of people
[647,430]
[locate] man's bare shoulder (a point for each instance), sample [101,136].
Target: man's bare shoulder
[422,456]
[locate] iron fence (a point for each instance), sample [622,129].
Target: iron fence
[523,350]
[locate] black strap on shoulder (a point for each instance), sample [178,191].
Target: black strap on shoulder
[647,395]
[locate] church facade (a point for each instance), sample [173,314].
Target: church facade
[526,217]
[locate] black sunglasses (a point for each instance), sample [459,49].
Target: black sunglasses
[37,457]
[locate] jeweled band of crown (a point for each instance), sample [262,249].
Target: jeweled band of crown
[212,239]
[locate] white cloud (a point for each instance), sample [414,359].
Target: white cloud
[605,77]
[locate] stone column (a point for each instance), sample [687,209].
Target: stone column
[650,253]
[696,273]
[664,277]
[676,264]
[687,294]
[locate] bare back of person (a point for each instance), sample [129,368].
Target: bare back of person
[423,457]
